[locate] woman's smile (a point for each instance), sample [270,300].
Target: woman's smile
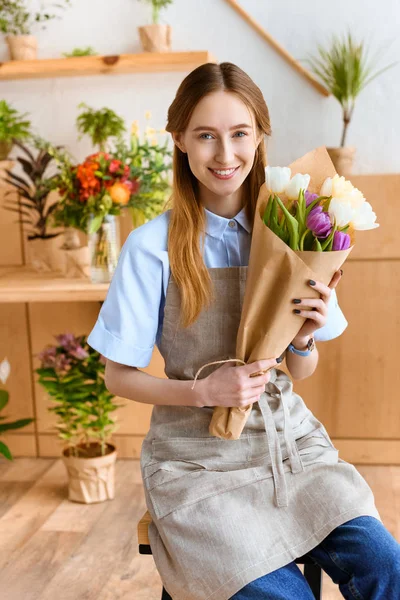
[224,173]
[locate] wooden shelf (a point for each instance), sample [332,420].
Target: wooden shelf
[145,62]
[21,284]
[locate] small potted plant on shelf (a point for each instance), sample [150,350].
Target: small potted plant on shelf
[73,375]
[88,51]
[35,208]
[4,397]
[345,71]
[17,21]
[156,37]
[13,126]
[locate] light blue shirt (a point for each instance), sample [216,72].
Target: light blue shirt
[130,321]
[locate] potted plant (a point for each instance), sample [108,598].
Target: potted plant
[35,209]
[4,397]
[345,70]
[100,125]
[73,375]
[13,125]
[132,175]
[17,21]
[156,37]
[88,51]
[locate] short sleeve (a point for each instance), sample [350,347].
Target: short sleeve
[127,325]
[336,322]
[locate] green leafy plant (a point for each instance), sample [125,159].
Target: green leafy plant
[32,203]
[345,70]
[73,375]
[4,397]
[100,125]
[17,19]
[88,51]
[157,6]
[13,124]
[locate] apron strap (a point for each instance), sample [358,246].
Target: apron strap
[296,464]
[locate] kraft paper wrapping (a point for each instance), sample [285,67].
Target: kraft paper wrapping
[276,275]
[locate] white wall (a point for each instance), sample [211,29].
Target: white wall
[301,118]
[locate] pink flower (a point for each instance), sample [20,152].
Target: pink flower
[114,165]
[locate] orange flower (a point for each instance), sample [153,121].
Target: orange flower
[119,193]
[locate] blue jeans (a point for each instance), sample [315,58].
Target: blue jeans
[361,556]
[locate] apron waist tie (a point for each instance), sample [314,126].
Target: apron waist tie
[296,464]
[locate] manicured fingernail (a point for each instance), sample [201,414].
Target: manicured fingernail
[279,360]
[297,311]
[311,282]
[296,301]
[341,271]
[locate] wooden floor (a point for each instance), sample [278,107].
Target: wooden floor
[53,549]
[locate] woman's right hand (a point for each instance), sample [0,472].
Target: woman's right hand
[232,385]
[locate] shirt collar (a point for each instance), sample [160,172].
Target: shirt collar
[216,225]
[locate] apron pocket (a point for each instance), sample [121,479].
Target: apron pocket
[204,450]
[317,446]
[183,489]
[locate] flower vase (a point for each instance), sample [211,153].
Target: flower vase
[104,247]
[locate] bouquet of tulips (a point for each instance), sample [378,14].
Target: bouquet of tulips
[322,221]
[307,236]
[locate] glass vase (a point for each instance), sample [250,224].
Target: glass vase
[104,248]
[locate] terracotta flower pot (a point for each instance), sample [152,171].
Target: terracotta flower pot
[91,479]
[343,159]
[155,38]
[22,47]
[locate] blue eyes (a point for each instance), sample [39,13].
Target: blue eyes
[202,138]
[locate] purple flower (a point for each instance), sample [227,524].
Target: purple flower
[62,364]
[66,340]
[341,241]
[79,352]
[48,357]
[319,222]
[310,197]
[71,344]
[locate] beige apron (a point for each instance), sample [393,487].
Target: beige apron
[226,512]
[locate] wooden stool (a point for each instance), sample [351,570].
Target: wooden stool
[312,572]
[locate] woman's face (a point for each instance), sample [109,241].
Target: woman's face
[220,141]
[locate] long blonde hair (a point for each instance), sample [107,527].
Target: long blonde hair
[188,218]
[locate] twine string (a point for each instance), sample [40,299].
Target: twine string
[217,362]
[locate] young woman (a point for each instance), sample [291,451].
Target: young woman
[229,517]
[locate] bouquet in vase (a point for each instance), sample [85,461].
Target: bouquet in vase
[306,235]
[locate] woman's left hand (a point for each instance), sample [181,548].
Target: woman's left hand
[319,314]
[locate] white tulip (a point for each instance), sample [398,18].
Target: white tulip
[277,178]
[5,369]
[297,183]
[342,211]
[364,218]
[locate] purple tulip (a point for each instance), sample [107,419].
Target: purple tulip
[310,197]
[319,222]
[341,241]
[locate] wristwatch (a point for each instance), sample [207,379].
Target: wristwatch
[310,348]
